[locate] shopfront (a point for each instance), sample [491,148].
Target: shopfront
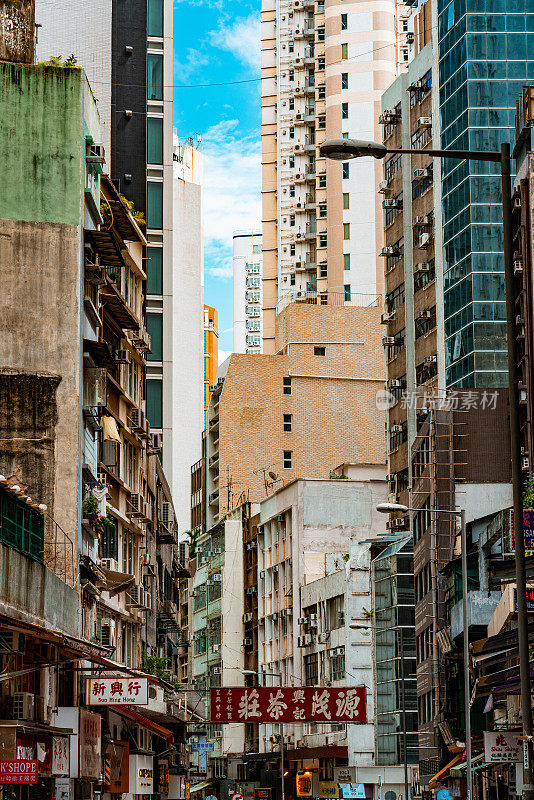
[31,760]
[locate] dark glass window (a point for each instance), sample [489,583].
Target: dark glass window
[155,76]
[154,216]
[154,326]
[155,18]
[154,270]
[154,140]
[154,403]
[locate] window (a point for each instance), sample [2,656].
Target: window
[292,190]
[344,110]
[392,166]
[154,326]
[292,278]
[292,133]
[154,214]
[345,200]
[321,122]
[344,51]
[392,213]
[311,669]
[322,181]
[199,597]
[319,351]
[395,298]
[291,74]
[346,261]
[154,138]
[292,162]
[154,270]
[322,211]
[128,553]
[291,47]
[425,322]
[155,18]
[346,230]
[291,103]
[320,34]
[200,644]
[292,219]
[288,459]
[288,423]
[321,61]
[347,292]
[323,240]
[344,22]
[291,249]
[321,93]
[109,541]
[344,80]
[154,403]
[155,76]
[337,667]
[286,383]
[346,170]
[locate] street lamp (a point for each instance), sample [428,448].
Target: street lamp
[283,773]
[343,149]
[388,508]
[403,698]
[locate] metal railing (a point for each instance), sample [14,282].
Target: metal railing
[59,552]
[329,298]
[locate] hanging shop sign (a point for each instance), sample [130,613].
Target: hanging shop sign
[200,747]
[307,704]
[501,747]
[353,791]
[62,788]
[116,691]
[141,774]
[90,744]
[163,776]
[18,772]
[528,529]
[305,784]
[60,755]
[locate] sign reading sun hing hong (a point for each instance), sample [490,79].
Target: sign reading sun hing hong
[305,704]
[116,691]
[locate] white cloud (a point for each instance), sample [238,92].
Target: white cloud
[232,192]
[242,38]
[223,355]
[184,70]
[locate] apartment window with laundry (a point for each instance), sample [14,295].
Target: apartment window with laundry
[344,110]
[288,423]
[288,459]
[344,51]
[345,170]
[346,230]
[344,80]
[154,270]
[346,260]
[286,385]
[155,76]
[155,18]
[347,292]
[345,200]
[344,21]
[154,133]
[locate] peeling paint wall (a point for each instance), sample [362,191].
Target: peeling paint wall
[17,31]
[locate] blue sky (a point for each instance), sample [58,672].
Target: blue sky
[218,41]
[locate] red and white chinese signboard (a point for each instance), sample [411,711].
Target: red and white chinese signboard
[18,772]
[307,704]
[116,691]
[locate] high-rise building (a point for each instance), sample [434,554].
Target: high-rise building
[276,417]
[187,333]
[484,61]
[128,58]
[248,261]
[323,76]
[211,352]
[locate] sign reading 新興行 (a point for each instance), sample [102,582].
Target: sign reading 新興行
[307,704]
[501,747]
[18,772]
[116,691]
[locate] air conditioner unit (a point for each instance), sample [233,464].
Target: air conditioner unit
[148,600]
[217,734]
[525,463]
[275,568]
[109,563]
[387,117]
[422,173]
[247,642]
[156,441]
[95,153]
[136,595]
[275,616]
[424,240]
[396,429]
[424,267]
[394,383]
[217,577]
[392,203]
[12,642]
[389,251]
[23,705]
[137,505]
[107,633]
[518,266]
[216,671]
[383,186]
[167,515]
[398,523]
[387,341]
[424,314]
[216,648]
[298,205]
[302,621]
[323,638]
[122,356]
[298,115]
[430,359]
[424,122]
[247,617]
[298,146]
[137,419]
[388,316]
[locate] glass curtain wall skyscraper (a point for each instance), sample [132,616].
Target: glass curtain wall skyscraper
[486,56]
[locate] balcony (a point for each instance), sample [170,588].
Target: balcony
[311,230]
[524,118]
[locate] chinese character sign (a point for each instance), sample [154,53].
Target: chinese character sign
[18,772]
[116,691]
[501,747]
[307,704]
[60,755]
[528,529]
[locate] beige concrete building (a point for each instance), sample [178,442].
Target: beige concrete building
[298,411]
[325,66]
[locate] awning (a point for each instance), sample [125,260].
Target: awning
[444,773]
[117,582]
[199,786]
[159,730]
[100,352]
[118,307]
[459,769]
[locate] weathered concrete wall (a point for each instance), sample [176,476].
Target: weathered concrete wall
[30,592]
[17,31]
[40,336]
[42,143]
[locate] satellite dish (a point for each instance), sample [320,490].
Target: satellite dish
[273,476]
